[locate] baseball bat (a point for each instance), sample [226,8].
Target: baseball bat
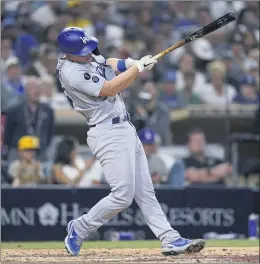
[219,23]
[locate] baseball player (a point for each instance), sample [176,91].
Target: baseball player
[93,86]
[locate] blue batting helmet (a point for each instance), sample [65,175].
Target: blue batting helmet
[73,40]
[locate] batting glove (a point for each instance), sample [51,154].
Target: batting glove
[129,62]
[146,63]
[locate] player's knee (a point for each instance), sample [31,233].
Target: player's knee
[125,195]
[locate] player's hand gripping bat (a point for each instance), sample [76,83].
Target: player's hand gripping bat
[222,21]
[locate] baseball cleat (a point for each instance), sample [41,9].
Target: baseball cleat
[182,246]
[73,241]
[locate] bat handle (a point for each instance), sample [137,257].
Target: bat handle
[164,52]
[158,56]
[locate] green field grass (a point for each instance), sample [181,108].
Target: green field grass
[124,244]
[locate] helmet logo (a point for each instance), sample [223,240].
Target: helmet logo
[84,39]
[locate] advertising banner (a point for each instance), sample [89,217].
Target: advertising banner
[42,214]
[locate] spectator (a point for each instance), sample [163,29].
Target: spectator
[43,14]
[252,68]
[156,165]
[47,90]
[51,63]
[249,41]
[38,65]
[50,96]
[200,168]
[10,30]
[169,96]
[151,113]
[256,123]
[51,34]
[203,53]
[217,92]
[248,15]
[78,19]
[233,71]
[14,79]
[234,60]
[29,118]
[254,54]
[5,177]
[187,64]
[186,95]
[6,52]
[70,167]
[22,42]
[12,84]
[26,170]
[248,93]
[164,39]
[176,175]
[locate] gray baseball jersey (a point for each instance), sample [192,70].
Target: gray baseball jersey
[82,84]
[117,148]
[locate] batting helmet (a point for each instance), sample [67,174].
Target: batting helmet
[74,41]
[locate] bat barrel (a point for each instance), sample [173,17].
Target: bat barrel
[215,25]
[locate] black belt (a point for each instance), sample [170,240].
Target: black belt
[116,120]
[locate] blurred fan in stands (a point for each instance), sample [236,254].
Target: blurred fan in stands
[200,168]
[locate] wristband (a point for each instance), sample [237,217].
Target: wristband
[121,65]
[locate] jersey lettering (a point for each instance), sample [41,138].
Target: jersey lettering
[101,70]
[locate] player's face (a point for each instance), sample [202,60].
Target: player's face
[80,59]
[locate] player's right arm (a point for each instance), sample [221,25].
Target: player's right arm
[120,82]
[96,85]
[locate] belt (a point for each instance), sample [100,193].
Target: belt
[116,120]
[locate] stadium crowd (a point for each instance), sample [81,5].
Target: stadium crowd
[220,68]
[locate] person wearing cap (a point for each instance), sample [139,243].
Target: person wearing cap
[168,95]
[26,170]
[15,79]
[217,92]
[164,169]
[156,165]
[248,92]
[12,84]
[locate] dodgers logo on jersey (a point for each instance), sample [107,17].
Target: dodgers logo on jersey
[87,76]
[84,39]
[95,79]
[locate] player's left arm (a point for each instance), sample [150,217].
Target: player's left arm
[119,65]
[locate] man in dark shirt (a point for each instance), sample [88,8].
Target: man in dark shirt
[201,169]
[29,118]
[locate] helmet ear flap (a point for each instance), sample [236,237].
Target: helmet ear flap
[96,51]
